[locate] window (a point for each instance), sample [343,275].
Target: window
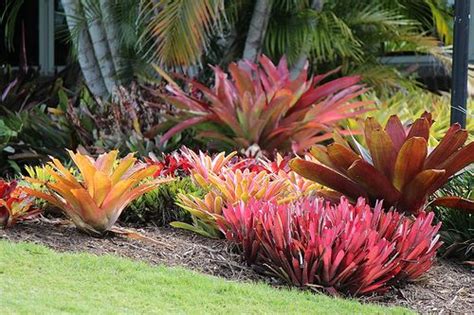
[44,29]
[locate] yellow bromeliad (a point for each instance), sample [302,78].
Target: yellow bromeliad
[105,186]
[228,189]
[204,165]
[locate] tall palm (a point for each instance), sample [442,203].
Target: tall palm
[102,33]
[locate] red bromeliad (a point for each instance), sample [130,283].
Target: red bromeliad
[342,248]
[173,164]
[260,104]
[397,167]
[15,204]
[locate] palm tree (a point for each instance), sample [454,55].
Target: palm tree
[95,31]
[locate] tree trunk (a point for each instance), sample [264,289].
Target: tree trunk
[85,52]
[101,48]
[112,31]
[316,5]
[257,29]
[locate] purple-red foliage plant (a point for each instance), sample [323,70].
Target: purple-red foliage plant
[352,249]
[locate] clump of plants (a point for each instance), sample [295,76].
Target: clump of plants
[396,166]
[353,249]
[261,104]
[97,195]
[229,188]
[229,180]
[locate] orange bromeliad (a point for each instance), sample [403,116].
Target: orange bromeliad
[106,185]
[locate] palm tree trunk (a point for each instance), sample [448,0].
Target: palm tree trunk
[101,48]
[257,29]
[316,5]
[85,52]
[112,31]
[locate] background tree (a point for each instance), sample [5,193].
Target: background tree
[117,40]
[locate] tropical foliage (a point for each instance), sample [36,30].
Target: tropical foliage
[350,214]
[229,180]
[229,188]
[397,166]
[172,164]
[158,206]
[410,104]
[260,104]
[19,140]
[340,248]
[95,200]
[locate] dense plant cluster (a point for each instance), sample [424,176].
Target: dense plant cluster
[289,225]
[349,215]
[342,247]
[316,179]
[230,180]
[169,165]
[158,206]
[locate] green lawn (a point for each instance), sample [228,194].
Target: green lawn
[34,279]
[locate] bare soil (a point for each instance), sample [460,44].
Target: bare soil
[448,288]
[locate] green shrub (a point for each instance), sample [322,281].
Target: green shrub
[158,206]
[457,230]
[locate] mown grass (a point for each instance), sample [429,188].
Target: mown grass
[37,280]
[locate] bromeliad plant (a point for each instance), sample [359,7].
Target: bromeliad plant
[203,165]
[229,188]
[260,104]
[173,164]
[15,204]
[344,248]
[412,103]
[397,167]
[229,180]
[95,199]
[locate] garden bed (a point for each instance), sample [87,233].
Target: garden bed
[447,288]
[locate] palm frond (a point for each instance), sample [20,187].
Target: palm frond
[180,30]
[333,39]
[382,78]
[287,34]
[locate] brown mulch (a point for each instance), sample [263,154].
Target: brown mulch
[448,288]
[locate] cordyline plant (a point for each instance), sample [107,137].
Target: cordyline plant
[397,167]
[15,204]
[260,104]
[95,200]
[344,248]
